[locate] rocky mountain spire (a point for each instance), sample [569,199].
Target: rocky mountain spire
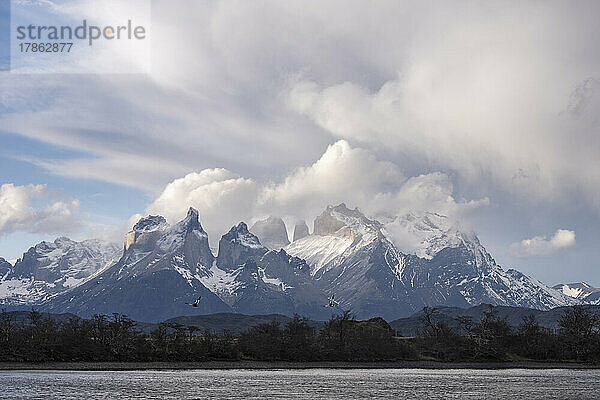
[271,232]
[237,246]
[300,230]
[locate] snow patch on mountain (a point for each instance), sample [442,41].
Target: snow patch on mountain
[318,251]
[272,281]
[221,282]
[579,290]
[50,268]
[425,234]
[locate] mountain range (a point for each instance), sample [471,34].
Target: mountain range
[161,268]
[50,268]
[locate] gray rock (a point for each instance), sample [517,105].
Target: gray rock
[279,283]
[5,267]
[238,246]
[271,232]
[300,230]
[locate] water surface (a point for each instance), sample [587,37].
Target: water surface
[302,384]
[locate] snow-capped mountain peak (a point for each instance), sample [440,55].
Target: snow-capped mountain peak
[237,246]
[338,232]
[151,223]
[342,222]
[164,267]
[49,268]
[425,234]
[240,234]
[146,231]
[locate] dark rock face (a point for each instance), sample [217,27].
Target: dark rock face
[5,267]
[327,224]
[152,297]
[279,283]
[146,232]
[300,230]
[271,232]
[237,246]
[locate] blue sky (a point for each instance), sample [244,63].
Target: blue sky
[487,113]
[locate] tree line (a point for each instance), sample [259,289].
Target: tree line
[342,338]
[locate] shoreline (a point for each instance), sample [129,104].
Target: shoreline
[270,365]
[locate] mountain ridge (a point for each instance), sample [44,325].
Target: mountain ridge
[162,268]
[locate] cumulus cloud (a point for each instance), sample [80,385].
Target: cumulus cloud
[222,197]
[432,114]
[342,174]
[31,208]
[541,246]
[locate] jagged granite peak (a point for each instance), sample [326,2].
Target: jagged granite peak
[188,237]
[50,268]
[271,232]
[145,232]
[338,233]
[153,235]
[192,221]
[151,223]
[153,280]
[426,233]
[164,267]
[343,222]
[300,230]
[237,246]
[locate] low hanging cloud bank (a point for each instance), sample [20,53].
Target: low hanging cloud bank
[541,246]
[342,174]
[31,208]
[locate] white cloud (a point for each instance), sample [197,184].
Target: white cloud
[541,246]
[342,174]
[436,115]
[426,86]
[31,208]
[222,198]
